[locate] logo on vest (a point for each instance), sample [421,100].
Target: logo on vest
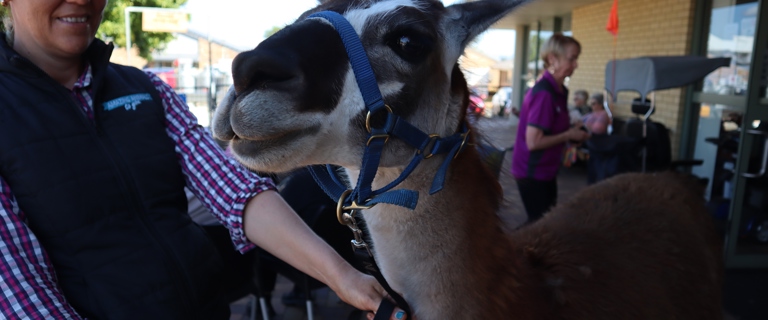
[128,102]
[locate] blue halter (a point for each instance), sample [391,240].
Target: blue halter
[362,196]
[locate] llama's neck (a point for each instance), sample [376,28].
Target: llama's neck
[437,249]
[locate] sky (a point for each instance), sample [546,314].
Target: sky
[243,22]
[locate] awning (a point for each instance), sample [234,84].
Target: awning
[646,74]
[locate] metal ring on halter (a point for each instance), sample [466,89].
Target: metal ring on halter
[431,143]
[368,118]
[340,208]
[463,142]
[385,136]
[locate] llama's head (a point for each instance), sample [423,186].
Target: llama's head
[295,100]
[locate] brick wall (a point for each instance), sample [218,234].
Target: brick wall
[218,52]
[646,28]
[119,57]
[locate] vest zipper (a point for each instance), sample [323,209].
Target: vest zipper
[181,279]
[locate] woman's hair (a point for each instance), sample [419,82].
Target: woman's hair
[582,93]
[598,97]
[556,45]
[5,18]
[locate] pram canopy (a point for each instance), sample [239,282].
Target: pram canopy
[646,74]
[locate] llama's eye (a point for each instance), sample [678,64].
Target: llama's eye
[412,48]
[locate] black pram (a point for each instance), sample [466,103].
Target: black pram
[640,144]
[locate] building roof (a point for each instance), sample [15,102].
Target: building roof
[541,11]
[474,58]
[199,35]
[504,65]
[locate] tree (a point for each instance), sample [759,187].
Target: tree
[113,25]
[271,31]
[534,52]
[3,13]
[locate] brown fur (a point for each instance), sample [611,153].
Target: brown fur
[633,247]
[637,246]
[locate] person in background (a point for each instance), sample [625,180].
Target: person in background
[598,120]
[580,104]
[94,158]
[545,128]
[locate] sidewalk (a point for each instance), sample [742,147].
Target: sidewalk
[745,291]
[501,133]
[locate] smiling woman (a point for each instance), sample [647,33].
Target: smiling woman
[48,33]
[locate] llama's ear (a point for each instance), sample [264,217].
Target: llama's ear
[467,20]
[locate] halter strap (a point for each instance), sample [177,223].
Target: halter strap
[362,196]
[366,79]
[394,125]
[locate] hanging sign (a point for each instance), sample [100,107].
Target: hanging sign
[164,21]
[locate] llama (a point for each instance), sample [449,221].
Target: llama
[633,247]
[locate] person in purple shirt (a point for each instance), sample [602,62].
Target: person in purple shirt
[545,127]
[94,158]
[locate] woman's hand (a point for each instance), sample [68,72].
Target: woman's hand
[576,134]
[364,293]
[271,224]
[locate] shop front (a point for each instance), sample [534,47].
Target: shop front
[730,130]
[722,120]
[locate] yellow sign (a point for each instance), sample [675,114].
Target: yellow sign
[162,21]
[705,111]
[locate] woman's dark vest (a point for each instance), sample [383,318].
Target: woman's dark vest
[105,197]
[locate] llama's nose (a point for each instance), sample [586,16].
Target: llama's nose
[265,69]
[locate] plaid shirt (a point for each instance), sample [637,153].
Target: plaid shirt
[27,278]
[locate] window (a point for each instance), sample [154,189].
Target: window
[731,34]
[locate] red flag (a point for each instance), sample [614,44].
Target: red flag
[613,19]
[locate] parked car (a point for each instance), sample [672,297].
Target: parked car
[168,75]
[500,103]
[476,104]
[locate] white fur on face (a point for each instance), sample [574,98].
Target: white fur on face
[351,102]
[391,88]
[358,17]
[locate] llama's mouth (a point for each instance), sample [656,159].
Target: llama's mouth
[251,146]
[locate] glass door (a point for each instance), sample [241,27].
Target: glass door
[723,98]
[747,240]
[732,130]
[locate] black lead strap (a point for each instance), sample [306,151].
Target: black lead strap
[363,254]
[386,307]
